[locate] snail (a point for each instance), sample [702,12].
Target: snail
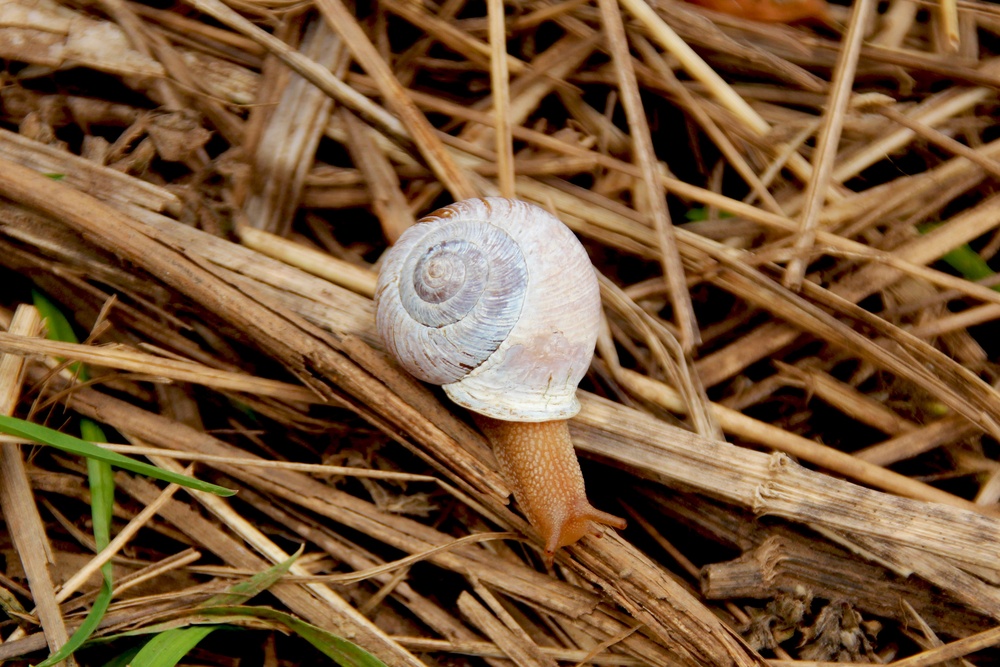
[496,300]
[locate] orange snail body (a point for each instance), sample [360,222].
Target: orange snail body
[496,300]
[539,461]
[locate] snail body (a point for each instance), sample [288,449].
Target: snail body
[496,300]
[539,461]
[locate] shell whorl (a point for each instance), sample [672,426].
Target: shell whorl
[460,285]
[497,301]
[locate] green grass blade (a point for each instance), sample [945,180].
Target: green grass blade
[969,263]
[168,648]
[86,628]
[700,214]
[343,652]
[165,649]
[123,659]
[71,445]
[102,486]
[58,327]
[966,261]
[102,498]
[258,583]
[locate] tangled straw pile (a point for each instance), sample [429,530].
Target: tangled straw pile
[794,227]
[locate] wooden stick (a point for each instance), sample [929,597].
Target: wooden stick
[81,576]
[514,645]
[271,327]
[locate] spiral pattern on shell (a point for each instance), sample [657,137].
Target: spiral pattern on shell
[496,300]
[460,294]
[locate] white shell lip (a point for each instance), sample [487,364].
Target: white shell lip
[534,373]
[523,403]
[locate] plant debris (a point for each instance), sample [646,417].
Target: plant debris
[795,227]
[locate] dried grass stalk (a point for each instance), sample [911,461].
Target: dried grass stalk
[391,113]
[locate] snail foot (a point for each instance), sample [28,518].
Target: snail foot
[581,520]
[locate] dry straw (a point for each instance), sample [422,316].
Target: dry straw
[794,393]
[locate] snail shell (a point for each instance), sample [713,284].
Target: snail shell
[496,300]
